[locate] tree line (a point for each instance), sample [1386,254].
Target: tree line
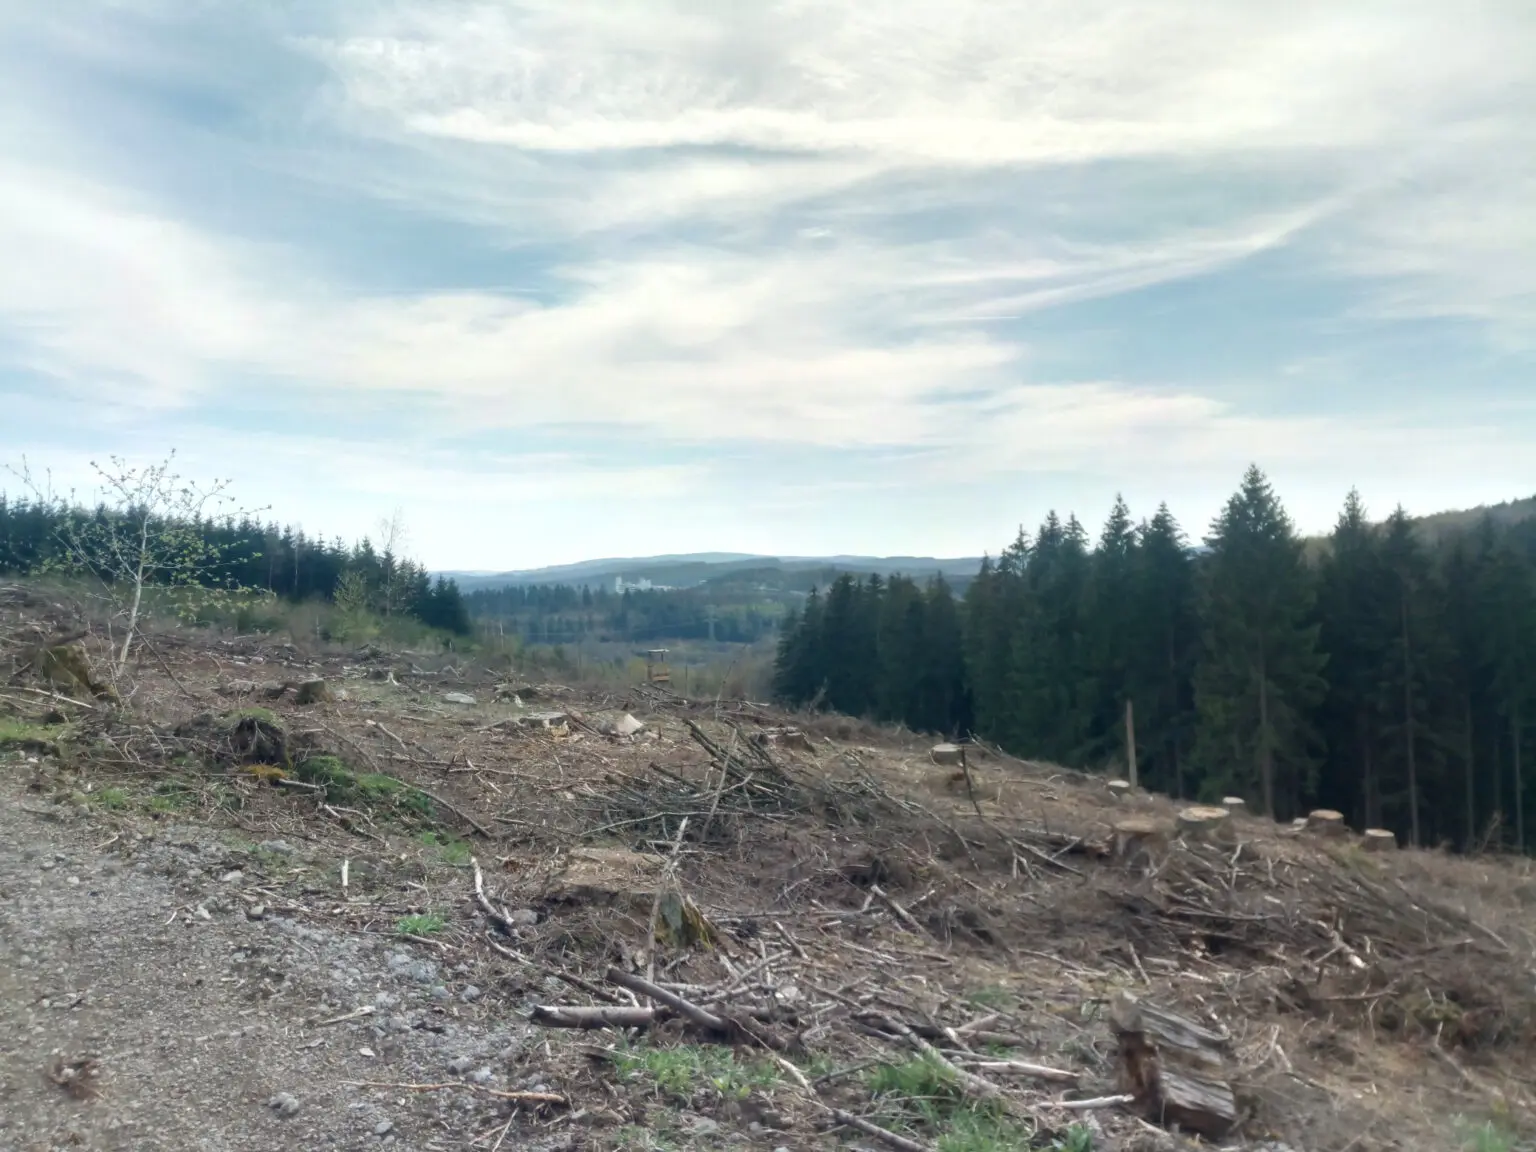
[566,613]
[1375,672]
[234,553]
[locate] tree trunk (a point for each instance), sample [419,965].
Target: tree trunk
[1413,773]
[1468,764]
[1514,739]
[1130,741]
[1266,756]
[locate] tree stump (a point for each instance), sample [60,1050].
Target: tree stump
[312,692]
[1203,822]
[1326,822]
[1235,805]
[1176,1069]
[1139,841]
[1119,789]
[946,754]
[1379,840]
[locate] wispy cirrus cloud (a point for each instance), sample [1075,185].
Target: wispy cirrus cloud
[1050,248]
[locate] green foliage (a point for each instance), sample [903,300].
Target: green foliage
[1383,672]
[680,1073]
[20,732]
[921,1095]
[158,542]
[361,789]
[449,849]
[111,799]
[421,924]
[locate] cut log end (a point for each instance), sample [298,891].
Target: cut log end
[1326,822]
[1379,840]
[1235,805]
[946,754]
[1204,822]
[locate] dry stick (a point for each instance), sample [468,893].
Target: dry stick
[529,1097]
[602,1016]
[497,916]
[166,668]
[1096,1102]
[673,1001]
[902,914]
[1017,845]
[434,797]
[54,696]
[901,1143]
[1022,1068]
[976,1085]
[667,874]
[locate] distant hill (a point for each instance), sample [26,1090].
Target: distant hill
[690,570]
[1509,512]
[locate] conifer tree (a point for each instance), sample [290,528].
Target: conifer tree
[1259,675]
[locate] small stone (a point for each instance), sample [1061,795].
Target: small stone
[279,847]
[481,1075]
[202,913]
[232,877]
[461,1064]
[523,917]
[440,992]
[285,1104]
[73,881]
[463,698]
[469,994]
[256,911]
[382,1128]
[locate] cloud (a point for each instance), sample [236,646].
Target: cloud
[820,247]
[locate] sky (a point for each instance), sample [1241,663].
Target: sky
[576,278]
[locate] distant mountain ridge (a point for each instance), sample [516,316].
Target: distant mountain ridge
[686,570]
[690,569]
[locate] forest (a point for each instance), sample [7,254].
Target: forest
[1382,672]
[565,614]
[236,553]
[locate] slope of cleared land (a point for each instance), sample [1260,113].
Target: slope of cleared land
[229,920]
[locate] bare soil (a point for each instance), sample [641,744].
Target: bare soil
[202,952]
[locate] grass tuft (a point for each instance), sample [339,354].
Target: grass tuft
[421,924]
[682,1072]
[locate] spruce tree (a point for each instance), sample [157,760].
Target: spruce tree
[1259,675]
[1163,662]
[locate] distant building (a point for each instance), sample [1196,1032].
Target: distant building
[620,585]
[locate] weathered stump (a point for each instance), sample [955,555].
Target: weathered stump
[1327,822]
[1176,1069]
[1119,789]
[1235,805]
[1379,840]
[1139,842]
[313,692]
[946,754]
[1204,822]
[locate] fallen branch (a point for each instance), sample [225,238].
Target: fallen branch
[1096,1102]
[885,1136]
[901,913]
[1021,1068]
[673,1001]
[601,1016]
[972,1083]
[498,917]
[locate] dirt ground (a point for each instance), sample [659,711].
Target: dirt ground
[232,921]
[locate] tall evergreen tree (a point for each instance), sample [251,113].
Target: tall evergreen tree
[1260,671]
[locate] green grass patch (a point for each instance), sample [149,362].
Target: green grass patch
[449,849]
[362,789]
[262,715]
[1491,1136]
[19,733]
[421,924]
[680,1073]
[111,799]
[921,1096]
[993,996]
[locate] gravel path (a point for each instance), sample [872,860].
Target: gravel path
[205,1012]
